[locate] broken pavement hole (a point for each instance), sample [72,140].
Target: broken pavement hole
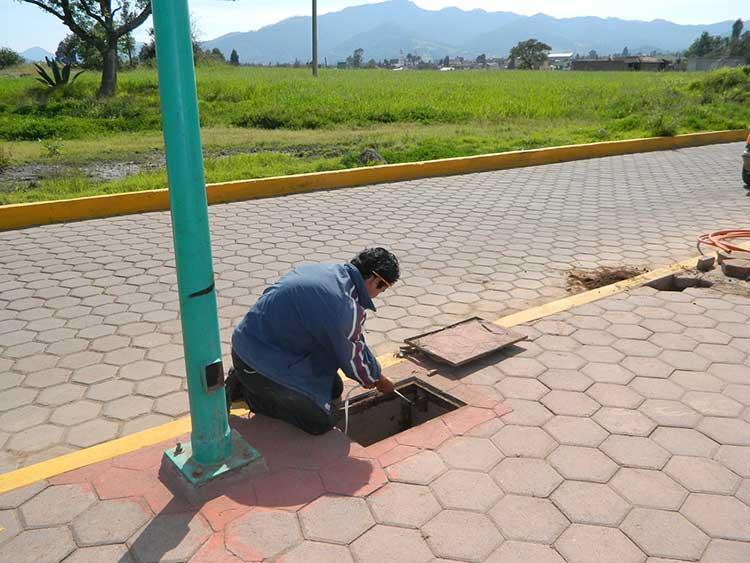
[679,283]
[584,280]
[373,418]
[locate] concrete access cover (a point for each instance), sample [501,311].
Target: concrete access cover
[464,342]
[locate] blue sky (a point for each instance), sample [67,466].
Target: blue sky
[23,26]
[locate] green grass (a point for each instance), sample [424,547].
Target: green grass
[282,121]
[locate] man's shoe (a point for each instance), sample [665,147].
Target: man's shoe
[233,388]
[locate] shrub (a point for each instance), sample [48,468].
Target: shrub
[8,57]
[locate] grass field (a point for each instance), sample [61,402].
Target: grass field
[260,122]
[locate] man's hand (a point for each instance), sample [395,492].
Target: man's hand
[384,385]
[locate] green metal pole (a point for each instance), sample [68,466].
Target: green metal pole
[211,437]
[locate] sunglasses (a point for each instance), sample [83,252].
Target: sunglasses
[382,283]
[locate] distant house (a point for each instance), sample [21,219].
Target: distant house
[621,64]
[558,61]
[705,63]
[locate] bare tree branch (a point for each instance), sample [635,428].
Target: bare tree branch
[91,13]
[132,24]
[45,7]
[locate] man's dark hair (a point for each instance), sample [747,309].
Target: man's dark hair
[377,260]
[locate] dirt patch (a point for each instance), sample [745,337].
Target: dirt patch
[724,284]
[584,280]
[117,169]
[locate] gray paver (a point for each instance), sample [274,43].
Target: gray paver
[401,504]
[466,490]
[454,534]
[649,488]
[109,521]
[528,519]
[388,543]
[47,545]
[57,505]
[522,552]
[335,519]
[719,516]
[664,534]
[170,537]
[590,503]
[596,544]
[701,475]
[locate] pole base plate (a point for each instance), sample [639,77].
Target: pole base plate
[188,478]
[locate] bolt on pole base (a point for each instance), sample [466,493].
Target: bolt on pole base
[187,478]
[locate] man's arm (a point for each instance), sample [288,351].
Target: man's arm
[354,356]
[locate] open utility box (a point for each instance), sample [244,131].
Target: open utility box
[374,417]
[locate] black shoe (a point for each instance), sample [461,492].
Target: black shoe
[232,388]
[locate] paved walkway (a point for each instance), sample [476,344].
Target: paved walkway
[89,336]
[628,442]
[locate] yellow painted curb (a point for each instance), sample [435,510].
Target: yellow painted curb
[567,303]
[108,450]
[22,215]
[100,452]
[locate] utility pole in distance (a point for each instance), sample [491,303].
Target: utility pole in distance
[315,37]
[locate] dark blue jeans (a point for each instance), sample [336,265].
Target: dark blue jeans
[264,396]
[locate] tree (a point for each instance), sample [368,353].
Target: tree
[482,60]
[625,52]
[72,50]
[67,50]
[8,57]
[355,60]
[234,58]
[593,54]
[737,30]
[99,26]
[530,54]
[735,42]
[706,45]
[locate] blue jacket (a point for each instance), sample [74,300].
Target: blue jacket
[308,325]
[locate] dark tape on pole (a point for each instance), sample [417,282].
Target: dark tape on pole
[206,291]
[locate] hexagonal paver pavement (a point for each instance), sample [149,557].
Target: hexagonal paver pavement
[335,519]
[109,521]
[597,544]
[388,543]
[79,311]
[657,472]
[57,505]
[455,534]
[648,488]
[524,476]
[582,464]
[400,504]
[660,533]
[634,451]
[262,534]
[719,516]
[590,503]
[464,452]
[528,519]
[524,441]
[466,490]
[701,475]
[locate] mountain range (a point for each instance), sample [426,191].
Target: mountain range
[36,54]
[388,29]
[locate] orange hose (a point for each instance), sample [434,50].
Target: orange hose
[718,240]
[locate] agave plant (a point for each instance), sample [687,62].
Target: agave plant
[60,77]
